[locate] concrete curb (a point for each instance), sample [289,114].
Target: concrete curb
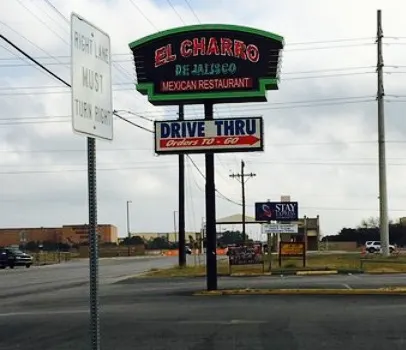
[327,272]
[315,291]
[126,277]
[147,274]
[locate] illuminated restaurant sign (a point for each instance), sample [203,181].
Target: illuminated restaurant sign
[221,63]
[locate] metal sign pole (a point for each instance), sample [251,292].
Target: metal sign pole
[93,245]
[211,232]
[181,211]
[91,54]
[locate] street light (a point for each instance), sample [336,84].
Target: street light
[174,224]
[128,226]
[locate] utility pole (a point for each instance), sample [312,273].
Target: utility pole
[243,178]
[128,227]
[383,195]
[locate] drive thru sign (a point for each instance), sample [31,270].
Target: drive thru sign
[92,99]
[202,136]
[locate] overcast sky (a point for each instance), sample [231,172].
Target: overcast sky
[321,126]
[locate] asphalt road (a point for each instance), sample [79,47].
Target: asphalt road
[75,273]
[162,314]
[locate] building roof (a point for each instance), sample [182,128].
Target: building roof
[236,219]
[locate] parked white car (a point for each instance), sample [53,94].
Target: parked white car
[375,246]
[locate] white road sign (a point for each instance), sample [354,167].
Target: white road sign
[92,98]
[280,228]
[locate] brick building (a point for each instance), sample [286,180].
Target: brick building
[69,234]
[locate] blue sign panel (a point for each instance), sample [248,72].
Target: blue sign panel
[276,211]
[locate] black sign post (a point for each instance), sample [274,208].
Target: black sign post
[211,230]
[208,64]
[181,209]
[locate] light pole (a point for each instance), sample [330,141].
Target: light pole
[128,227]
[174,224]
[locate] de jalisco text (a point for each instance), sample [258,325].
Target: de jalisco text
[208,75]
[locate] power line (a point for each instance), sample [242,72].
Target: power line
[234,110]
[119,68]
[121,86]
[137,149]
[34,60]
[238,108]
[39,87]
[164,166]
[53,19]
[130,54]
[332,41]
[109,199]
[42,22]
[58,78]
[67,84]
[176,12]
[330,47]
[204,177]
[191,10]
[33,44]
[144,15]
[326,70]
[56,10]
[241,110]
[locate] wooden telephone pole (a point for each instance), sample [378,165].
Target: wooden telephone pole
[243,178]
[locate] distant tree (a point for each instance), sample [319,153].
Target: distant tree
[50,246]
[371,222]
[134,240]
[158,243]
[31,246]
[230,237]
[368,230]
[109,244]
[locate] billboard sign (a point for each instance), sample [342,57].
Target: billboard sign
[205,136]
[92,97]
[276,211]
[293,249]
[215,62]
[281,228]
[245,255]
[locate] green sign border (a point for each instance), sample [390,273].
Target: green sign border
[264,83]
